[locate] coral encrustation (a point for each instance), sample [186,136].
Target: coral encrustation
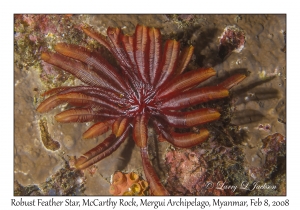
[128,184]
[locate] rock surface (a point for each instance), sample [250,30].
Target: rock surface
[259,101]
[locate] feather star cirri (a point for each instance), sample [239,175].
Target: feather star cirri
[147,87]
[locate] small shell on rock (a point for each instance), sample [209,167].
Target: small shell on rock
[232,40]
